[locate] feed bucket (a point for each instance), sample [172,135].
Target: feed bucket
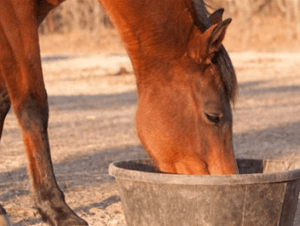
[252,198]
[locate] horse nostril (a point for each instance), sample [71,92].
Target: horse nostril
[213,118]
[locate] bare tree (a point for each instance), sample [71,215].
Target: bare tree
[76,15]
[297,18]
[286,8]
[245,10]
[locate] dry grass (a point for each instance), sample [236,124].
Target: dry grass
[84,42]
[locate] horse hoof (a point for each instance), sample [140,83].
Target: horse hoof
[73,220]
[60,215]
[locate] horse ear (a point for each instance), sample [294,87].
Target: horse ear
[214,37]
[202,47]
[216,16]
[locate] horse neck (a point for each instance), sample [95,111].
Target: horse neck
[153,32]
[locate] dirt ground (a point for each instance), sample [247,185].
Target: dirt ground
[92,111]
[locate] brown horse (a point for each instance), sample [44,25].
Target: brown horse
[185,83]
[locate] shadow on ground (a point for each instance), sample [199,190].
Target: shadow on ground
[252,88]
[57,57]
[90,102]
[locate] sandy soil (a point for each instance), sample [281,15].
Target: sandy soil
[91,124]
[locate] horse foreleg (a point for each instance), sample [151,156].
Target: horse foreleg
[4,108]
[4,220]
[20,66]
[4,103]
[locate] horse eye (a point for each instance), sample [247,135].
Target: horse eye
[214,118]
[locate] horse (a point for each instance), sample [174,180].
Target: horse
[186,86]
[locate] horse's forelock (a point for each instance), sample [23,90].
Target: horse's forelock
[201,12]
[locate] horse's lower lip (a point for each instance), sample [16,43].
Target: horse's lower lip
[149,196]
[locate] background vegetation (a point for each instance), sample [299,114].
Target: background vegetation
[262,25]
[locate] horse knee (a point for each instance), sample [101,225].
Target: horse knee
[32,112]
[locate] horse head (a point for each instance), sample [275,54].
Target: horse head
[185,120]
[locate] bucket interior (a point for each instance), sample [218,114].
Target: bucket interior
[245,166]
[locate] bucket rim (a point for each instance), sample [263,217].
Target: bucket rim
[116,170]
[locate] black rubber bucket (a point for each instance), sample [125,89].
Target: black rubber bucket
[253,198]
